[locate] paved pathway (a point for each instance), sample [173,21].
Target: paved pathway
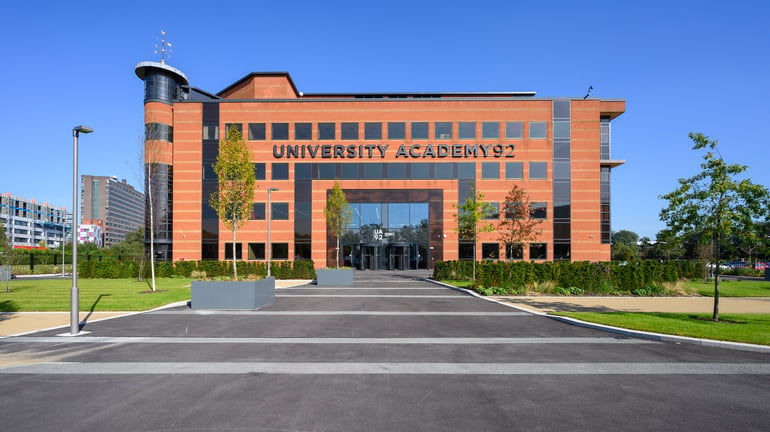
[391,353]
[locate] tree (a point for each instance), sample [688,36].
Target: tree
[234,199]
[715,201]
[5,254]
[519,224]
[338,216]
[624,245]
[469,219]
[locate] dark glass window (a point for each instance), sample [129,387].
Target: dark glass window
[211,132]
[229,251]
[490,130]
[561,109]
[561,150]
[561,230]
[538,251]
[257,131]
[327,171]
[280,211]
[465,251]
[280,251]
[158,131]
[538,130]
[302,251]
[280,171]
[443,170]
[561,251]
[279,132]
[514,170]
[466,170]
[208,172]
[396,171]
[493,211]
[396,131]
[349,171]
[538,170]
[259,171]
[209,252]
[349,131]
[303,171]
[237,126]
[256,251]
[257,211]
[466,130]
[373,171]
[490,251]
[326,131]
[514,251]
[443,130]
[514,130]
[303,131]
[420,171]
[419,130]
[539,210]
[372,131]
[561,129]
[490,170]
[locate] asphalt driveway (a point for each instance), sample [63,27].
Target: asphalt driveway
[392,353]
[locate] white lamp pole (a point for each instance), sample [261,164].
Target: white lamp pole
[269,246]
[74,296]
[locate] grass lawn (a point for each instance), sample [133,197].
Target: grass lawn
[730,288]
[95,294]
[746,328]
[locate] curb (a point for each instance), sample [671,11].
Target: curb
[659,337]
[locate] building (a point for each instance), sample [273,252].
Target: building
[404,160]
[91,233]
[30,224]
[118,206]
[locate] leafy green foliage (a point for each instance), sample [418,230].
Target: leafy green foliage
[338,215]
[470,220]
[234,199]
[714,201]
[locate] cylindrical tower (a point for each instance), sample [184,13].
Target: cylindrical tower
[163,85]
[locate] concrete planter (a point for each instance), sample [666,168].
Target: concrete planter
[335,277]
[246,295]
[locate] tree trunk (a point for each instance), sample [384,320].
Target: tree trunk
[235,268]
[337,254]
[715,316]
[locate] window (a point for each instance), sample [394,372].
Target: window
[303,131]
[443,130]
[467,130]
[514,130]
[490,130]
[539,210]
[372,131]
[493,212]
[538,130]
[396,171]
[280,211]
[349,131]
[280,251]
[396,131]
[237,126]
[302,251]
[256,251]
[538,170]
[256,131]
[257,211]
[419,130]
[465,251]
[259,171]
[229,251]
[514,170]
[490,170]
[538,251]
[280,131]
[561,251]
[490,251]
[327,171]
[349,171]
[280,171]
[514,251]
[373,171]
[326,131]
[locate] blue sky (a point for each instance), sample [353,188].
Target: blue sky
[681,66]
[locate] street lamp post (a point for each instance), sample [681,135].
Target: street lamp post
[74,296]
[269,246]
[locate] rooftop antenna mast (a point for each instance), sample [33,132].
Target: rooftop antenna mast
[163,48]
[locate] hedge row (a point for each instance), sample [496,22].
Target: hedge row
[599,278]
[211,269]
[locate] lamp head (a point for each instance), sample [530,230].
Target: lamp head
[82,129]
